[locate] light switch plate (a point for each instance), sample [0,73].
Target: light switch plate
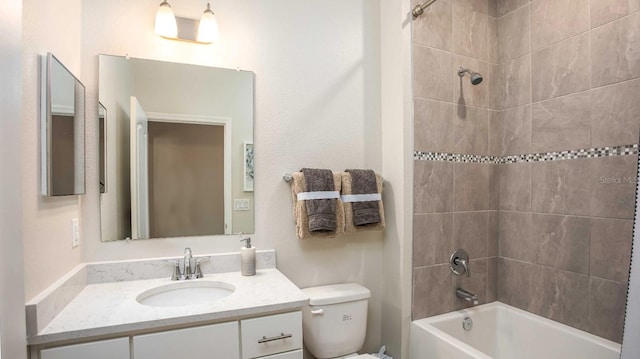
[242,204]
[75,232]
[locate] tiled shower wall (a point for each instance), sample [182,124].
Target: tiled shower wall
[455,203]
[560,75]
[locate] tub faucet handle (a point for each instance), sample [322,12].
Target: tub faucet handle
[459,262]
[464,264]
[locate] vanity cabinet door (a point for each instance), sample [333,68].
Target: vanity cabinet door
[105,349]
[206,342]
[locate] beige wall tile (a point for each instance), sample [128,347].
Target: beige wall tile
[434,28]
[470,231]
[505,6]
[514,283]
[611,248]
[470,31]
[432,293]
[431,74]
[613,186]
[514,35]
[603,12]
[615,54]
[515,187]
[433,187]
[561,69]
[562,241]
[556,20]
[607,302]
[472,187]
[514,86]
[510,131]
[615,116]
[433,121]
[514,236]
[562,123]
[471,130]
[562,187]
[560,296]
[432,238]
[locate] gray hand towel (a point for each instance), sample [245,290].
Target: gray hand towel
[321,212]
[364,182]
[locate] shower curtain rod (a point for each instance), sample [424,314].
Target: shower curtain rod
[419,9]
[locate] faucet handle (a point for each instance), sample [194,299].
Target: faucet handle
[202,259]
[197,272]
[176,275]
[465,265]
[459,262]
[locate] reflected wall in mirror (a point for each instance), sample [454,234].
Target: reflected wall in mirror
[62,142]
[174,137]
[102,150]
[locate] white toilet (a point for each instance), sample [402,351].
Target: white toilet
[335,322]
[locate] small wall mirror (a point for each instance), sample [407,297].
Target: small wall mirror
[177,147]
[62,119]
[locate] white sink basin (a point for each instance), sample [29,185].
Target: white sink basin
[185,293]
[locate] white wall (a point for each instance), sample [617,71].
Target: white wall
[47,27]
[397,168]
[317,104]
[12,320]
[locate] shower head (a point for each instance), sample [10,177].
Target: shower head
[476,77]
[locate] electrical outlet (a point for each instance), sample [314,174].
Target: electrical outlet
[75,232]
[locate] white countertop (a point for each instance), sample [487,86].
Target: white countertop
[111,308]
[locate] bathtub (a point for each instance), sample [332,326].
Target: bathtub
[503,332]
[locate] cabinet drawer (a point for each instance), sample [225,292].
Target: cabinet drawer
[105,349]
[270,335]
[207,342]
[296,354]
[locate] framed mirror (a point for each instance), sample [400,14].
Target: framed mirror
[175,140]
[62,119]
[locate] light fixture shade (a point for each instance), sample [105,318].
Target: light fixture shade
[208,31]
[166,25]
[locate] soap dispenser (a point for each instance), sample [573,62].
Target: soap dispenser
[247,258]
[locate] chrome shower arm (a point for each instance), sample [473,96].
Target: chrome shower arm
[419,9]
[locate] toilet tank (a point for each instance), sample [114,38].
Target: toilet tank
[335,321]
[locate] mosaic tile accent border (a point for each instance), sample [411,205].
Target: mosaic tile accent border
[594,152]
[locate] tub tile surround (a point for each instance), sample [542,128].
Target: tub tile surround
[556,178]
[42,309]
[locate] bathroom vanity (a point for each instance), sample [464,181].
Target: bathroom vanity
[223,315]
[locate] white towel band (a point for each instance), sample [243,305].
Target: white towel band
[361,197]
[306,196]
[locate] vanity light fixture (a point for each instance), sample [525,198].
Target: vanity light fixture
[166,25]
[208,31]
[203,31]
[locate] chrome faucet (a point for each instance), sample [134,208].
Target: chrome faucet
[466,295]
[187,263]
[187,272]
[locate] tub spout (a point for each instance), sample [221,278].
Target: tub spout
[466,295]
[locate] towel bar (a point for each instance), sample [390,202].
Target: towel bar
[288,178]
